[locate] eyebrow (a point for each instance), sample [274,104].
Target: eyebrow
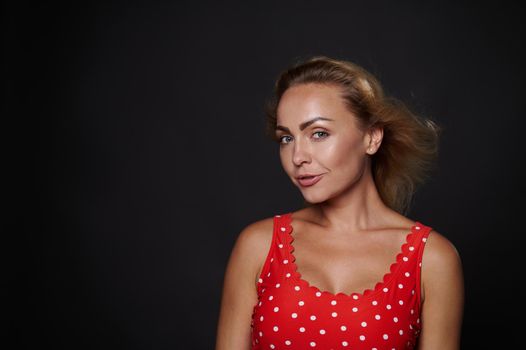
[303,125]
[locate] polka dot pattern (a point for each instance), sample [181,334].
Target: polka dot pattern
[291,313]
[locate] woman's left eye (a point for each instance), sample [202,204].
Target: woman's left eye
[321,132]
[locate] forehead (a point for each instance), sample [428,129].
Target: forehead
[310,100]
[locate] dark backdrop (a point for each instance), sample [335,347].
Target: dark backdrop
[139,148]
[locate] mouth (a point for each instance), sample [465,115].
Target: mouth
[309,180]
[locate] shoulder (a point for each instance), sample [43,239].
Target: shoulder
[239,293]
[442,294]
[252,244]
[256,233]
[441,264]
[438,250]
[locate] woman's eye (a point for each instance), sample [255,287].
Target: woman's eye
[280,139]
[321,132]
[324,134]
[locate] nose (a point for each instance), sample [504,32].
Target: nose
[301,153]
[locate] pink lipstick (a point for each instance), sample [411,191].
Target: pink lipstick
[307,181]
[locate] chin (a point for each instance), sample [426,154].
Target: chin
[314,198]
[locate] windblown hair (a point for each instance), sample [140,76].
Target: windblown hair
[409,146]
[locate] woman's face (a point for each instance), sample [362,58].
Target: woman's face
[333,148]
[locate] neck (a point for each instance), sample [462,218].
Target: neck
[358,209]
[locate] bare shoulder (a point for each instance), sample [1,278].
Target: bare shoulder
[442,294]
[255,234]
[239,290]
[441,264]
[253,243]
[439,251]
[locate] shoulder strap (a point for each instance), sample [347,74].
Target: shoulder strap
[270,254]
[422,232]
[420,242]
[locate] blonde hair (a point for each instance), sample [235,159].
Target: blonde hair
[409,146]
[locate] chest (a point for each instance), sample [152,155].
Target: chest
[345,266]
[295,315]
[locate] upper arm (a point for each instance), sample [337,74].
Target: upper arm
[239,294]
[443,295]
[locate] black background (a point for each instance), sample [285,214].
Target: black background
[135,131]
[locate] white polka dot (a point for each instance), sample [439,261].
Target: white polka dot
[420,264]
[354,309]
[313,344]
[272,346]
[355,297]
[275,328]
[344,343]
[401,332]
[400,285]
[417,320]
[276,309]
[334,314]
[294,315]
[412,311]
[302,329]
[322,331]
[375,302]
[401,302]
[407,274]
[395,319]
[271,260]
[301,303]
[312,317]
[260,280]
[260,303]
[278,216]
[405,258]
[364,324]
[270,297]
[385,336]
[288,274]
[424,240]
[297,287]
[287,342]
[377,317]
[261,318]
[285,261]
[417,227]
[385,289]
[362,337]
[318,294]
[411,248]
[277,285]
[283,229]
[268,274]
[280,245]
[343,328]
[413,292]
[410,327]
[388,306]
[333,302]
[260,334]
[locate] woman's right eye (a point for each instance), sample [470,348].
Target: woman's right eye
[280,139]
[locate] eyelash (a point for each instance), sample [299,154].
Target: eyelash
[316,132]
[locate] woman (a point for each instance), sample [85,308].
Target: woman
[348,271]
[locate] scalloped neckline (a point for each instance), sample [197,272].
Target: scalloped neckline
[385,281]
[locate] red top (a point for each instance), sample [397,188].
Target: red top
[292,314]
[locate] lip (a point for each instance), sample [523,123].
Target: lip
[310,181]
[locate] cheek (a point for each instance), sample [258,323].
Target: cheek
[342,154]
[285,161]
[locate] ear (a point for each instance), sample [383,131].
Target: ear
[374,139]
